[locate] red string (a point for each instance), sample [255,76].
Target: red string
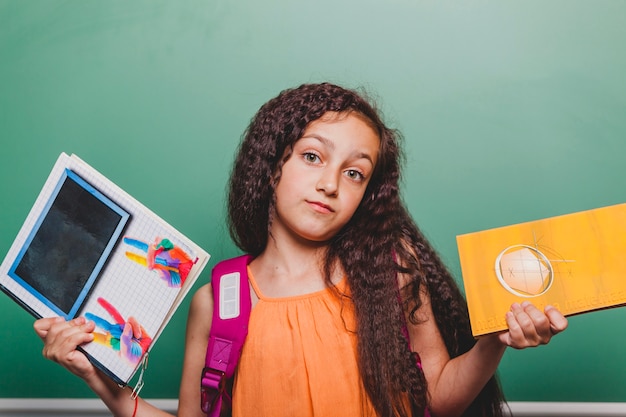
[135,410]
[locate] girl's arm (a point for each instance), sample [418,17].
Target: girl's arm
[196,342]
[61,338]
[454,383]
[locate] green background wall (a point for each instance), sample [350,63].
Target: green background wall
[511,111]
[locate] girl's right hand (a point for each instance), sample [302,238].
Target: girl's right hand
[61,338]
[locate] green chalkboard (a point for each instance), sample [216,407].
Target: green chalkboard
[511,111]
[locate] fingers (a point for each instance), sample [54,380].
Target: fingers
[137,329]
[558,322]
[61,337]
[534,325]
[42,326]
[126,340]
[528,326]
[134,340]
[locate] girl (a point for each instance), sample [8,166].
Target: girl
[354,313]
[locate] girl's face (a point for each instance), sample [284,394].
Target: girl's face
[323,181]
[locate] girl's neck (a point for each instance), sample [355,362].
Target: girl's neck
[284,270]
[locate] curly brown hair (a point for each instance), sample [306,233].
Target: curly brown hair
[365,247]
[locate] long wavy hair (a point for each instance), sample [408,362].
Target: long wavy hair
[380,241]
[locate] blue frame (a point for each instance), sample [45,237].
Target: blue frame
[124,218]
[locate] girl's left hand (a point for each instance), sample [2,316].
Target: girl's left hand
[529,326]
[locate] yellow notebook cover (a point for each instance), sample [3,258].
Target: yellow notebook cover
[575,262]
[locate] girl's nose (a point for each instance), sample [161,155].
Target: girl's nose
[328,183]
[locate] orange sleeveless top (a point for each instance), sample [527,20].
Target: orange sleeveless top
[300,358]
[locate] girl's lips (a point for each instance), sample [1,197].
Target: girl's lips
[320,207]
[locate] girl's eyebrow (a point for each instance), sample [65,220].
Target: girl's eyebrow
[325,141]
[331,145]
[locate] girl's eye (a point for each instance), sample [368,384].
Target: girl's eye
[311,157]
[355,175]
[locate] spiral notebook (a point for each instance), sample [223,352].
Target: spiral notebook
[87,248]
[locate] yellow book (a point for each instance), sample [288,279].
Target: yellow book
[575,262]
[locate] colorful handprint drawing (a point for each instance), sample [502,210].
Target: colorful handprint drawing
[172,263]
[126,336]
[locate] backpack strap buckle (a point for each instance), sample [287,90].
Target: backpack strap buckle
[212,388]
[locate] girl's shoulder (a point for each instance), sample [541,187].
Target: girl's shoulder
[202,292]
[201,306]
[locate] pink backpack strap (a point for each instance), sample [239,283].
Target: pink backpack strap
[229,328]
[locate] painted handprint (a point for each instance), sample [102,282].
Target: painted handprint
[126,336]
[171,262]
